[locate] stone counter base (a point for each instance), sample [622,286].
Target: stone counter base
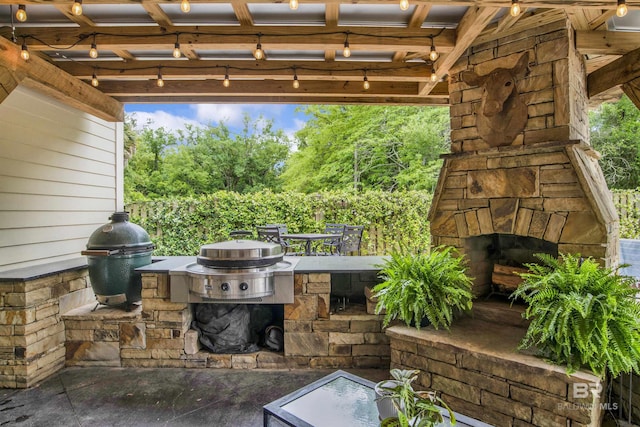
[32,335]
[158,335]
[478,373]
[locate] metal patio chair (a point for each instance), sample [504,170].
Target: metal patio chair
[271,233]
[331,246]
[351,239]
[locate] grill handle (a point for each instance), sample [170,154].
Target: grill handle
[99,252]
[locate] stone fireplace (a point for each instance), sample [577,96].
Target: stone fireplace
[499,201]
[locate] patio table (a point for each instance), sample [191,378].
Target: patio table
[308,238]
[339,399]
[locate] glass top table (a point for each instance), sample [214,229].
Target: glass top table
[340,399]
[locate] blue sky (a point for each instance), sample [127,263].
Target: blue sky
[175,116]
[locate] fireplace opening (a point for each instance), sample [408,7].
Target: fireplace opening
[496,259]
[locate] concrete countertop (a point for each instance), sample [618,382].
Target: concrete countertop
[306,264]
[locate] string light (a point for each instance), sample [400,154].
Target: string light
[346,52]
[76,9]
[226,82]
[176,48]
[94,80]
[296,83]
[293,4]
[24,53]
[160,82]
[433,53]
[434,76]
[404,4]
[622,8]
[515,8]
[21,14]
[93,52]
[185,6]
[365,83]
[258,53]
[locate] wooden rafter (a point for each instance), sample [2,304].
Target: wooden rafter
[621,71]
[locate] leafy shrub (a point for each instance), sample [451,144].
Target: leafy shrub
[423,286]
[583,315]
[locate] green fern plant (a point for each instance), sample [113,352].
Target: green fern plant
[423,286]
[582,314]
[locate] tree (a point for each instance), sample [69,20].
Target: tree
[615,133]
[202,160]
[368,147]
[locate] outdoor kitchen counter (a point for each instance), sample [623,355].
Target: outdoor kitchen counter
[306,264]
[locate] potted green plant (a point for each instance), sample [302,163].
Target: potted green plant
[582,314]
[399,405]
[425,286]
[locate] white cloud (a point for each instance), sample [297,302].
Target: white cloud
[230,114]
[159,118]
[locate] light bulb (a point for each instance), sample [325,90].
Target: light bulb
[366,84]
[176,51]
[226,82]
[347,51]
[434,76]
[76,9]
[622,8]
[293,4]
[93,52]
[433,54]
[160,82]
[185,6]
[258,53]
[24,53]
[21,14]
[515,8]
[404,4]
[94,80]
[296,83]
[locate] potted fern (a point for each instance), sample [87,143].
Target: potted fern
[423,287]
[582,314]
[399,405]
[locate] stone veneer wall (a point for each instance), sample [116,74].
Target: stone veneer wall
[491,382]
[32,333]
[158,334]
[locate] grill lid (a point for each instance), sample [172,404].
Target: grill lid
[120,236]
[240,253]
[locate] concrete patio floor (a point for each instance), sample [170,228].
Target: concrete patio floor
[83,396]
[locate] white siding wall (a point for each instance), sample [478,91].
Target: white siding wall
[60,178]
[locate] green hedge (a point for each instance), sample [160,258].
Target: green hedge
[627,204]
[391,220]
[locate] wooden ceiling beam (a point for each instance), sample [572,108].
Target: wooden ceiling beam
[223,38]
[331,71]
[607,42]
[632,90]
[275,99]
[618,72]
[535,19]
[157,14]
[265,88]
[46,78]
[574,4]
